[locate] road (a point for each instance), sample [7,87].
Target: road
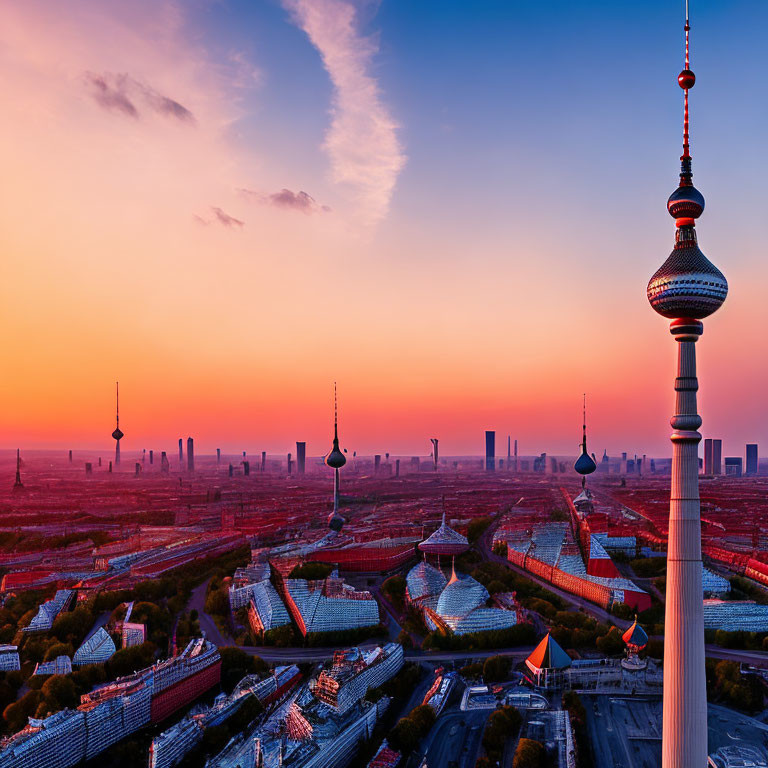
[299,655]
[450,743]
[207,624]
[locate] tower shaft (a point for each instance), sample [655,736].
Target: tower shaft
[336,491]
[117,452]
[684,740]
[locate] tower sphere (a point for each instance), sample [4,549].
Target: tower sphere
[118,434]
[335,522]
[335,459]
[686,79]
[686,202]
[687,284]
[585,464]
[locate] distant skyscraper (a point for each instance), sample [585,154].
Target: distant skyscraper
[751,458]
[301,457]
[733,466]
[516,465]
[218,456]
[181,453]
[263,461]
[717,457]
[190,455]
[151,457]
[435,454]
[685,289]
[336,460]
[490,450]
[117,434]
[376,463]
[289,462]
[165,467]
[708,456]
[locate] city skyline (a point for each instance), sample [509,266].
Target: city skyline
[221,330]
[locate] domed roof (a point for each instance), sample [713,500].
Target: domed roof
[585,464]
[687,284]
[424,579]
[118,434]
[460,596]
[636,636]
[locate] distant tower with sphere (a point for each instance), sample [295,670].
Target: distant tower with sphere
[335,460]
[585,464]
[685,289]
[118,433]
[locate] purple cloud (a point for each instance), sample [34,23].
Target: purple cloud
[121,92]
[287,199]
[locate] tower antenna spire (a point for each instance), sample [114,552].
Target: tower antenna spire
[117,402]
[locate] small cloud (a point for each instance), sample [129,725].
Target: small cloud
[226,219]
[121,93]
[219,217]
[109,92]
[287,199]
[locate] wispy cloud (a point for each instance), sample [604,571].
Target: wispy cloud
[121,92]
[285,198]
[219,217]
[362,139]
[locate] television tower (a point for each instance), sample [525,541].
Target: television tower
[685,289]
[18,485]
[336,460]
[118,433]
[585,464]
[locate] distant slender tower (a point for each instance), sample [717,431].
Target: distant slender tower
[301,457]
[336,460]
[585,464]
[435,453]
[118,433]
[181,453]
[686,289]
[18,485]
[190,455]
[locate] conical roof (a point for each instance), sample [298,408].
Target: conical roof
[445,541]
[636,636]
[548,655]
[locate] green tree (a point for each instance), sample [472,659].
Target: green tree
[530,754]
[496,669]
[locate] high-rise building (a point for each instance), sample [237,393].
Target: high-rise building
[118,433]
[733,466]
[301,457]
[336,460]
[165,466]
[717,457]
[218,456]
[435,454]
[708,456]
[685,289]
[376,463]
[490,450]
[751,458]
[181,454]
[190,455]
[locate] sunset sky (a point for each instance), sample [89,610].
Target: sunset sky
[451,208]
